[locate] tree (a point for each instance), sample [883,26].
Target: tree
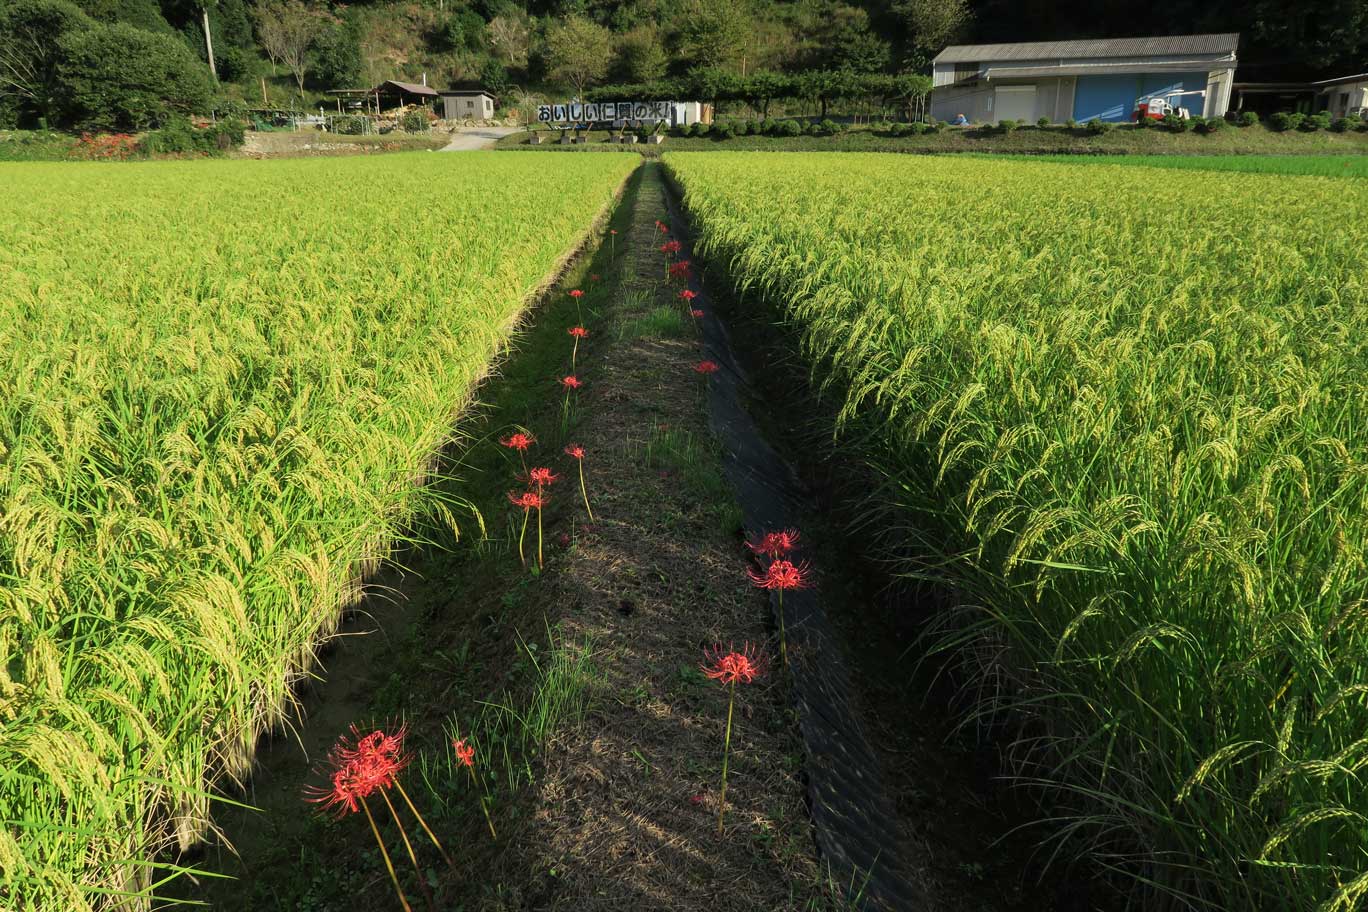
[578,50]
[287,29]
[494,78]
[526,102]
[848,43]
[117,77]
[337,56]
[712,33]
[31,33]
[640,56]
[510,38]
[930,25]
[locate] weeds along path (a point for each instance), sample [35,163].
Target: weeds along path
[212,422]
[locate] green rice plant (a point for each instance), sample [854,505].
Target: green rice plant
[1127,419]
[222,388]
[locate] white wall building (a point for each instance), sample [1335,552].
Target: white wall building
[1104,78]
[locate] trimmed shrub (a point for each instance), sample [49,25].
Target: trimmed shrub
[1175,124]
[350,125]
[1098,127]
[788,128]
[1313,122]
[724,130]
[1346,123]
[1284,121]
[1247,119]
[414,122]
[1211,125]
[827,128]
[1043,122]
[1071,124]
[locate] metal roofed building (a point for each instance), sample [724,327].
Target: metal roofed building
[1102,78]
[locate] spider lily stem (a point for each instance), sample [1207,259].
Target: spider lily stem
[423,823]
[389,865]
[403,834]
[584,491]
[726,754]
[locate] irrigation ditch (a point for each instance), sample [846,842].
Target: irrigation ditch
[851,787]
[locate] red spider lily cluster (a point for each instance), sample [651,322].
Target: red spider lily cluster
[706,367]
[774,544]
[579,332]
[576,293]
[671,247]
[680,270]
[106,146]
[519,441]
[361,766]
[571,382]
[688,295]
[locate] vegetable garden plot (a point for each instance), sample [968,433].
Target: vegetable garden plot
[1131,419]
[220,381]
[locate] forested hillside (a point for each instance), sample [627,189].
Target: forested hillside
[59,58]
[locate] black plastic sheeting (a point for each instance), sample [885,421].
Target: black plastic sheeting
[854,818]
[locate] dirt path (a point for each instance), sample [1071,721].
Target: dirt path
[469,139]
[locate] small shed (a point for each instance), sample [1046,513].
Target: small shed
[1085,79]
[392,94]
[1338,97]
[467,104]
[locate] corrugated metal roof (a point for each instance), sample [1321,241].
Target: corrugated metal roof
[410,87]
[1161,46]
[1096,69]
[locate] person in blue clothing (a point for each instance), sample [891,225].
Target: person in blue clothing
[960,121]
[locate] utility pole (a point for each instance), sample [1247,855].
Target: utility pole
[209,42]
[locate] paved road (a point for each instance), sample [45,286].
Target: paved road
[471,138]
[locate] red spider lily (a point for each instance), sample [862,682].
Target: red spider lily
[579,332]
[782,575]
[542,477]
[732,668]
[706,367]
[671,247]
[688,294]
[465,755]
[518,441]
[679,270]
[528,500]
[775,544]
[594,276]
[571,382]
[576,293]
[695,313]
[577,452]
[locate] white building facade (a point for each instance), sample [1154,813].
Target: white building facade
[1081,80]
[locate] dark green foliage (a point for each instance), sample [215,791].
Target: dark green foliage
[337,62]
[1210,125]
[234,64]
[462,29]
[1043,122]
[1175,124]
[1313,122]
[1347,123]
[1098,127]
[724,130]
[828,128]
[1071,124]
[177,136]
[144,14]
[117,77]
[31,54]
[1247,119]
[1284,121]
[349,125]
[494,78]
[414,122]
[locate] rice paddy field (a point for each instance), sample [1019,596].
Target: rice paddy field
[1322,165]
[221,383]
[1126,421]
